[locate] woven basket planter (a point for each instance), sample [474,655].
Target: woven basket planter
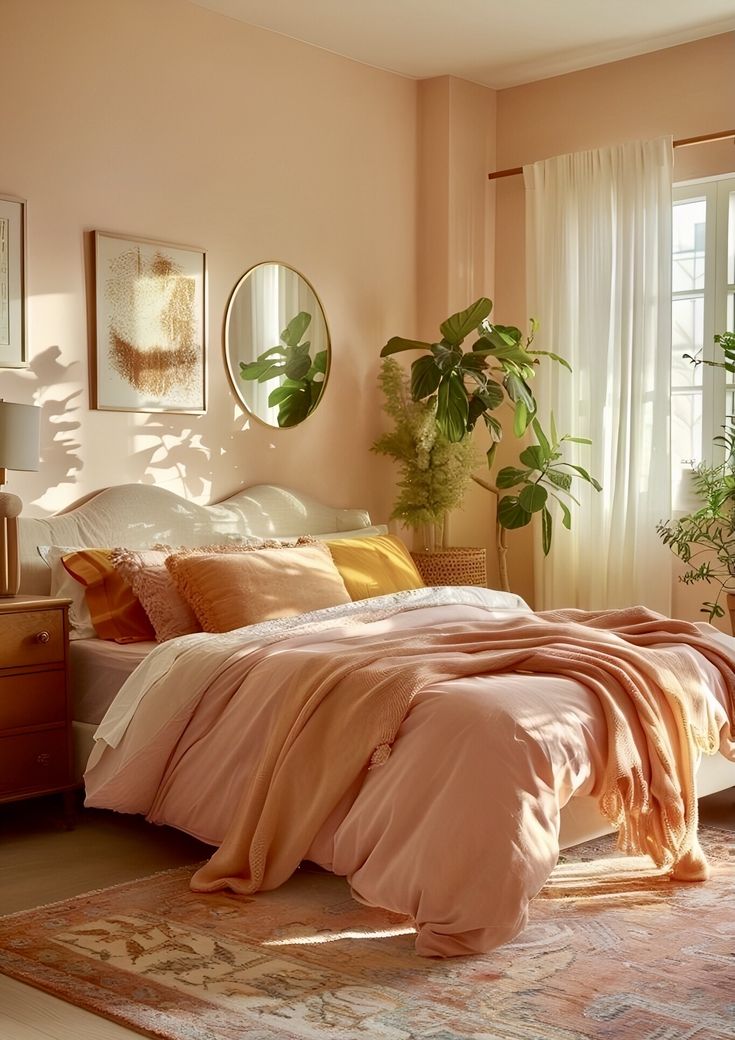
[460,565]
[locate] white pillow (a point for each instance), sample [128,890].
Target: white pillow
[63,585]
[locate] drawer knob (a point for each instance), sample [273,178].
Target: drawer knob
[42,637]
[43,759]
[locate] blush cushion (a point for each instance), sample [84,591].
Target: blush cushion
[146,573]
[231,590]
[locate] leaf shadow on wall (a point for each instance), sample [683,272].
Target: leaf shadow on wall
[44,383]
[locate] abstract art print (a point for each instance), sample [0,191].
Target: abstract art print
[13,353]
[150,300]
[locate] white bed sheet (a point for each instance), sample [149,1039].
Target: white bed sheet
[98,668]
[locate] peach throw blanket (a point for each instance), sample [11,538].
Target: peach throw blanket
[343,705]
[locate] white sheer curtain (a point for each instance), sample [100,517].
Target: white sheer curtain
[598,250]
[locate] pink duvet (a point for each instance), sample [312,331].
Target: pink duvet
[457,828]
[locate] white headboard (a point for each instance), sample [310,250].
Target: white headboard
[139,515]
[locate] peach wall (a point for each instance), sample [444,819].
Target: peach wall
[684,91]
[167,121]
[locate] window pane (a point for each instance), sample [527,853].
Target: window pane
[731,241]
[731,312]
[689,242]
[686,430]
[687,337]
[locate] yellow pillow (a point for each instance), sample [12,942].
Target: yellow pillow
[232,590]
[375,566]
[115,610]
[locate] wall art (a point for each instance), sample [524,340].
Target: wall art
[13,348]
[150,319]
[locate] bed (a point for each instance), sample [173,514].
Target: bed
[426,741]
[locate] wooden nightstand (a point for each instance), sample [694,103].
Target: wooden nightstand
[35,715]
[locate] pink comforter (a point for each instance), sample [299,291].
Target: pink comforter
[458,828]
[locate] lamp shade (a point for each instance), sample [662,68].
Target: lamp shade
[19,435]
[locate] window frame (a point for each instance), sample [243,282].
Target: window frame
[715,191]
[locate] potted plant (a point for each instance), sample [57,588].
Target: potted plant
[457,388]
[705,538]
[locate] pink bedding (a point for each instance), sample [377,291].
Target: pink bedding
[458,825]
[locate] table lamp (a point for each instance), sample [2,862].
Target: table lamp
[19,449]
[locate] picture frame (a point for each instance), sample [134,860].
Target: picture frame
[13,306]
[150,325]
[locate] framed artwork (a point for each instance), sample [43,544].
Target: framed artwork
[150,325]
[13,349]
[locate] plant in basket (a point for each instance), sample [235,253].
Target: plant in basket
[451,391]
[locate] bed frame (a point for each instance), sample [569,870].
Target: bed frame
[140,515]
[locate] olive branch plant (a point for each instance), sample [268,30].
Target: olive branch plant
[705,538]
[459,387]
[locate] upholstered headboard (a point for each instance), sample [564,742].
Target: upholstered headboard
[139,515]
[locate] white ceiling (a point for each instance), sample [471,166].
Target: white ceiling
[499,43]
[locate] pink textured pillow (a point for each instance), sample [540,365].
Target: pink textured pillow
[145,571]
[232,590]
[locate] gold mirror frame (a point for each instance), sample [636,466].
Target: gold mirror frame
[276,331]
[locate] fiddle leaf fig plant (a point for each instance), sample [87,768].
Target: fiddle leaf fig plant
[468,386]
[302,382]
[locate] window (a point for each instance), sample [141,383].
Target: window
[703,303]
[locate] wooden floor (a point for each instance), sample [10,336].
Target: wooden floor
[40,862]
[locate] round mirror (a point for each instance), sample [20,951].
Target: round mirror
[276,345]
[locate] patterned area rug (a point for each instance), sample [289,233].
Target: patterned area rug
[625,955]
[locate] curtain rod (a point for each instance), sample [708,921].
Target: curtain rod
[721,135]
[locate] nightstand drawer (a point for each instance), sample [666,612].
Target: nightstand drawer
[32,637]
[35,699]
[34,761]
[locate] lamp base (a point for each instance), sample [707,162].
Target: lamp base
[10,507]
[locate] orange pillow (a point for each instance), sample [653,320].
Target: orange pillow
[375,565]
[233,590]
[115,610]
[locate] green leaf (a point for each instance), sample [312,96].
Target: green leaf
[542,439]
[493,427]
[566,515]
[518,390]
[559,479]
[546,528]
[585,476]
[447,356]
[553,431]
[491,395]
[295,408]
[510,333]
[397,343]
[511,513]
[533,456]
[576,440]
[296,328]
[533,498]
[520,419]
[452,408]
[491,454]
[261,370]
[297,366]
[509,476]
[459,325]
[320,361]
[425,377]
[473,362]
[554,357]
